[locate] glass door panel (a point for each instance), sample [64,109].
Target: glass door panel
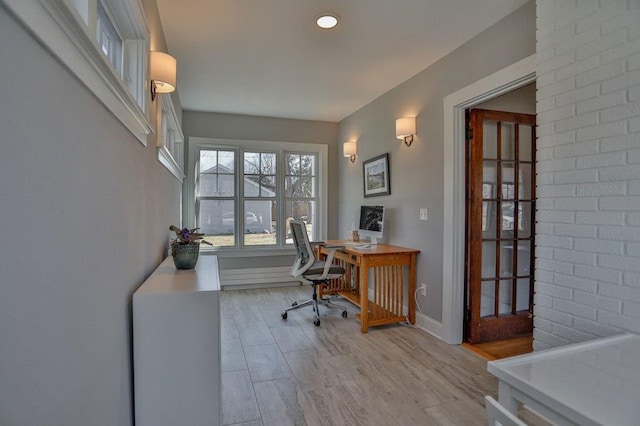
[525,219]
[488,259]
[490,139]
[506,297]
[507,219]
[525,144]
[507,148]
[525,190]
[522,295]
[488,298]
[524,257]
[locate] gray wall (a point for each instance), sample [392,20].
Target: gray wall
[522,100]
[417,171]
[244,127]
[588,255]
[85,210]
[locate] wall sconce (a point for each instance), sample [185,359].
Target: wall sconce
[405,129]
[349,149]
[163,73]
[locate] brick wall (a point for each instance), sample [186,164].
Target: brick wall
[588,212]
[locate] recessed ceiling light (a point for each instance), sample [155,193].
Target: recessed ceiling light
[327,20]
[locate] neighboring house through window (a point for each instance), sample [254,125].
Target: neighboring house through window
[245,197]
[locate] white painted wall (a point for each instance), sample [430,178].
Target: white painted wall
[588,103]
[417,172]
[85,210]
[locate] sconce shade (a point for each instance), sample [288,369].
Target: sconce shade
[163,72]
[349,149]
[405,129]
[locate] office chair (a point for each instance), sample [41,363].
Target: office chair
[498,415]
[310,271]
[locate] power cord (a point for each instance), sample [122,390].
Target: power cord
[415,293]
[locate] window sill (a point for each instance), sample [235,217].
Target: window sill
[167,160]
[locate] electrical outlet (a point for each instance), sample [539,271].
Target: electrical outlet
[424,214]
[423,289]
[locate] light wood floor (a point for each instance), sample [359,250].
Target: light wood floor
[502,348]
[278,372]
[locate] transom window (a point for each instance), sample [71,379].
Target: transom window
[105,45]
[108,38]
[246,197]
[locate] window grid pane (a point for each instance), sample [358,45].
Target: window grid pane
[215,197]
[301,192]
[260,175]
[108,38]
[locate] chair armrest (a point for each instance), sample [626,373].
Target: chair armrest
[331,252]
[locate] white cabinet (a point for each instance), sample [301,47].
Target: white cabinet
[176,346]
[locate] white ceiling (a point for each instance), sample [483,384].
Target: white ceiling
[267,57]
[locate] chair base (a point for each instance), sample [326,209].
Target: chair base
[315,302]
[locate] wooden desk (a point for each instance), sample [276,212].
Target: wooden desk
[386,264]
[590,383]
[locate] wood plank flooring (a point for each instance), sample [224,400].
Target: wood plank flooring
[278,372]
[502,348]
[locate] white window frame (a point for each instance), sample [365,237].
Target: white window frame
[170,141]
[108,28]
[67,28]
[321,150]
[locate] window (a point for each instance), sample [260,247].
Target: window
[216,196]
[245,197]
[170,140]
[301,194]
[260,198]
[108,38]
[104,43]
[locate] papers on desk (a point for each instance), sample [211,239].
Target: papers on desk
[358,245]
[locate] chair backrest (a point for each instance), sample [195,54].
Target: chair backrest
[305,256]
[498,415]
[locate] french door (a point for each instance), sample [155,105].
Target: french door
[500,225]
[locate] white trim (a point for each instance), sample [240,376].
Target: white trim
[170,139]
[166,159]
[249,276]
[499,83]
[428,324]
[61,30]
[196,143]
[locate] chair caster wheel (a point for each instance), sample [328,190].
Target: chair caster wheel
[316,322]
[284,315]
[294,304]
[344,314]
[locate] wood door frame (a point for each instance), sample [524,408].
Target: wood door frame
[519,74]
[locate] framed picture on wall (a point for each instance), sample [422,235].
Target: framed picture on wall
[376,176]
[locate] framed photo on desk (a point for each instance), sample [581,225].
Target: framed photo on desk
[376,176]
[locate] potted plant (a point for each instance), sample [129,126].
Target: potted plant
[185,247]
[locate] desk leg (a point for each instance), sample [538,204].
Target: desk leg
[506,398]
[412,289]
[364,295]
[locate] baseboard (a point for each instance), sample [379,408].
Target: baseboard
[249,278]
[258,286]
[429,325]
